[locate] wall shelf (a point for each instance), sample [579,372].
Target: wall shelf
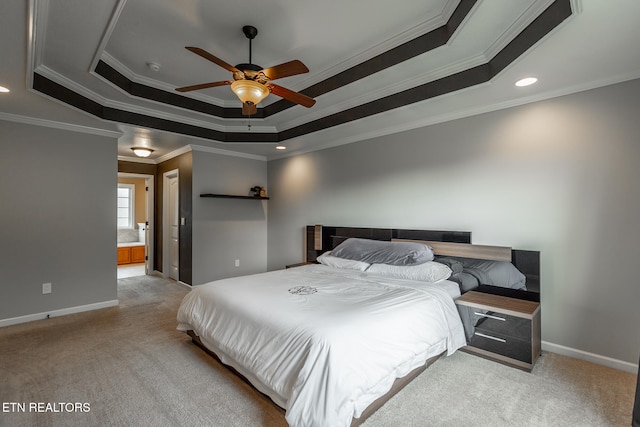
[232,196]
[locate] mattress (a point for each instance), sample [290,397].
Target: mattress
[322,342]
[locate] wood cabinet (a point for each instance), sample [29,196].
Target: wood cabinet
[137,254]
[131,254]
[507,329]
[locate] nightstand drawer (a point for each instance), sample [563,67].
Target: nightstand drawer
[519,349]
[503,324]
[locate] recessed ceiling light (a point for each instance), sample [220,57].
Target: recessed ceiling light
[526,81]
[281,147]
[3,89]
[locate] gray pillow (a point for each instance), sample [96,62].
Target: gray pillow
[496,273]
[383,252]
[454,264]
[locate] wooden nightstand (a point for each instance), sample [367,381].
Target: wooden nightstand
[509,331]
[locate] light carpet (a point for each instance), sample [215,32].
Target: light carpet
[130,367]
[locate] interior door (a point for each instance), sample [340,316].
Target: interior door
[174,229]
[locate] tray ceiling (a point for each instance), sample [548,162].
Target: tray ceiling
[375,68]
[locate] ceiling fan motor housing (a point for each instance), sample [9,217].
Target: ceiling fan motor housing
[250,31]
[249,67]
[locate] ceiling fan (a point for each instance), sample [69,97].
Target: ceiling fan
[252,83]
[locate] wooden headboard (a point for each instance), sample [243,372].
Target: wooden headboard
[445,243]
[466,250]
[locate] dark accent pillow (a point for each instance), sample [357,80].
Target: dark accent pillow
[384,252]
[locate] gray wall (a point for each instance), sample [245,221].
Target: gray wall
[559,176]
[225,230]
[57,222]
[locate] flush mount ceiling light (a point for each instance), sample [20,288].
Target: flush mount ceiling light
[527,81]
[142,151]
[3,89]
[280,147]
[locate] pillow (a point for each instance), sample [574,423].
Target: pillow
[332,261]
[454,264]
[429,271]
[466,281]
[496,273]
[383,252]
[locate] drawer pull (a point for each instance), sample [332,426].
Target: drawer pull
[490,337]
[489,316]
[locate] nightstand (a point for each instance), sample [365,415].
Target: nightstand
[299,264]
[507,330]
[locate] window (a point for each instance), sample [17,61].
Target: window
[125,205]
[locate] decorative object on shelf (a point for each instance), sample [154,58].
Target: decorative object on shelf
[258,191]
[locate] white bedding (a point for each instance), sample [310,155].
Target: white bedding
[322,342]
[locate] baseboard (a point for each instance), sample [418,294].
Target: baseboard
[56,313]
[590,357]
[186,285]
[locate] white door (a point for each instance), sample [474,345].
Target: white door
[174,227]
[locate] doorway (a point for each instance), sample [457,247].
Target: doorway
[171,225]
[135,240]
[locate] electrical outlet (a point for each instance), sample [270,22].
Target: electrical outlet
[237,263]
[46,288]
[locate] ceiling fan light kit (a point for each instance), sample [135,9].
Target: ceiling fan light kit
[251,83]
[249,91]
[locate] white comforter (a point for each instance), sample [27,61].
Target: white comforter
[322,342]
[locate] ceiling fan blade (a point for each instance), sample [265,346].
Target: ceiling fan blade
[292,96]
[206,55]
[249,109]
[203,86]
[287,69]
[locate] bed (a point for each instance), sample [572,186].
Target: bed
[332,340]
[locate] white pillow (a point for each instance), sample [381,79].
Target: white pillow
[429,271]
[349,264]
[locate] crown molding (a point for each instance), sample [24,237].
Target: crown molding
[131,76]
[123,106]
[469,112]
[518,26]
[58,125]
[137,160]
[192,147]
[111,25]
[227,152]
[380,48]
[384,91]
